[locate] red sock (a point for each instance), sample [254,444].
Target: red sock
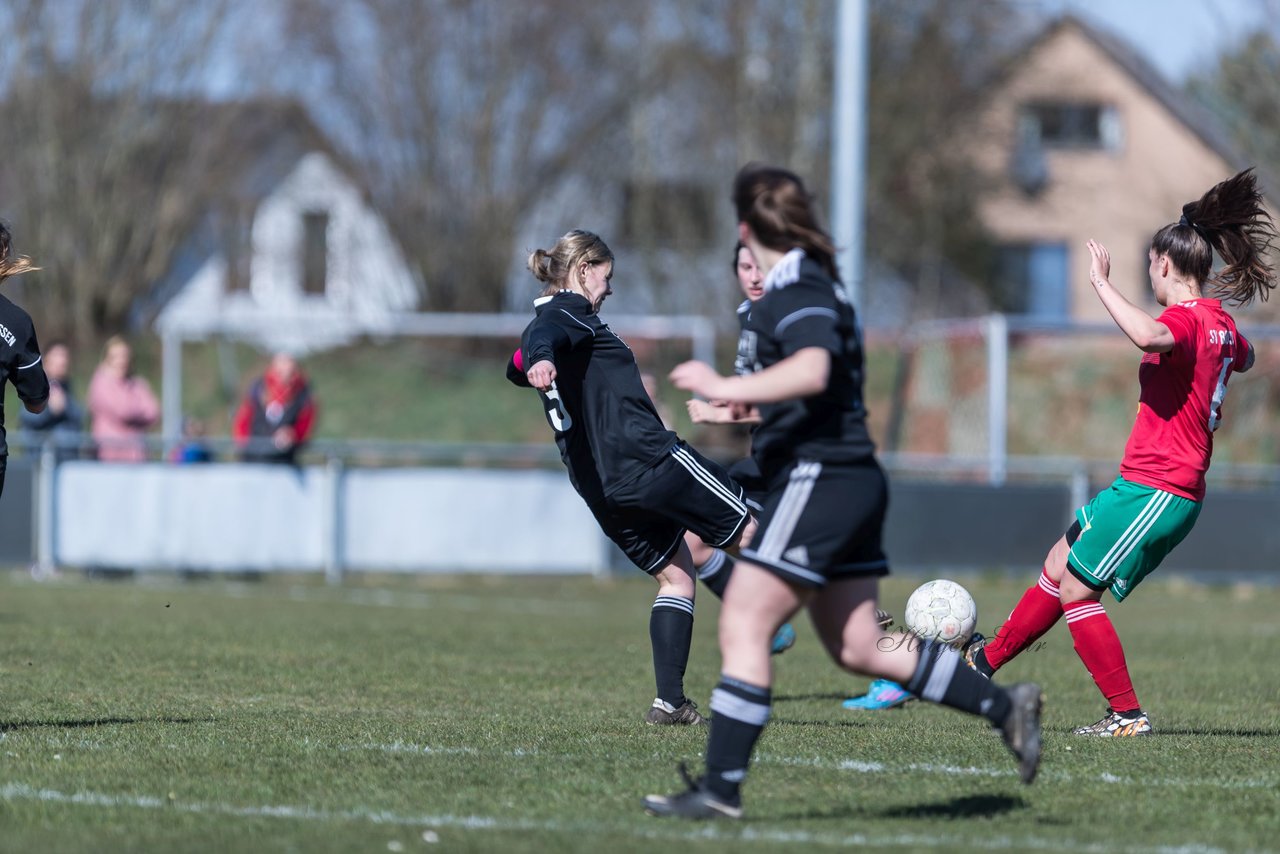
[1036,612]
[1099,648]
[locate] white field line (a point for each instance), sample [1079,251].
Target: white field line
[855,766]
[12,792]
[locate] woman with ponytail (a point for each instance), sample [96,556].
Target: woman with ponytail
[1189,353]
[818,541]
[19,351]
[644,485]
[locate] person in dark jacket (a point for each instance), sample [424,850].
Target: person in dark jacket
[63,419]
[277,415]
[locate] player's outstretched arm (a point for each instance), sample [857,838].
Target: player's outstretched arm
[1149,334]
[802,374]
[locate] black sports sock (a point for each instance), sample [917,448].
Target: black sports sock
[740,712]
[984,666]
[670,635]
[942,677]
[715,572]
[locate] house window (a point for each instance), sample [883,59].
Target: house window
[315,251]
[1064,125]
[668,213]
[1031,279]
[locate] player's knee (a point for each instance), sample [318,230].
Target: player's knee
[1072,589]
[698,550]
[856,652]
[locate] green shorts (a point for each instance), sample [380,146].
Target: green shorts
[1125,531]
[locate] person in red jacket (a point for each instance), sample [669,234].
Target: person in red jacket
[277,414]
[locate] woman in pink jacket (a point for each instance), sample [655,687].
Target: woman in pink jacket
[122,405]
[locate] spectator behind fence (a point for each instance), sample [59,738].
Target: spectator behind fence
[20,361]
[121,404]
[62,420]
[277,414]
[192,448]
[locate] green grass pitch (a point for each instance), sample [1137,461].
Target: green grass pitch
[504,714]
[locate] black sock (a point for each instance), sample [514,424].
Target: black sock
[671,634]
[942,677]
[716,571]
[739,713]
[984,666]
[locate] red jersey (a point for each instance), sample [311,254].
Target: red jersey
[1181,401]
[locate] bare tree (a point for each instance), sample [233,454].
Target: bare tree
[931,63]
[101,180]
[1242,90]
[464,114]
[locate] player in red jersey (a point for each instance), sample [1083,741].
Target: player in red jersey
[1189,353]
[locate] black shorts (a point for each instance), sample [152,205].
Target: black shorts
[746,473]
[822,522]
[647,516]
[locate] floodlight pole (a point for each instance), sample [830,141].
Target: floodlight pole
[849,144]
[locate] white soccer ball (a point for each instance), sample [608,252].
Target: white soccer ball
[943,610]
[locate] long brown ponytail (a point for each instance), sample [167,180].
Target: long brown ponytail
[10,264]
[780,211]
[1230,219]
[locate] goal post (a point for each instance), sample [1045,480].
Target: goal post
[699,331]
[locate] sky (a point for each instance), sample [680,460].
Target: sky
[1180,37]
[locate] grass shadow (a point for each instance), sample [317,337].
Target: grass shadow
[966,807]
[15,726]
[851,722]
[803,698]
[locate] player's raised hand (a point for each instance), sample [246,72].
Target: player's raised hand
[697,377]
[1099,264]
[542,375]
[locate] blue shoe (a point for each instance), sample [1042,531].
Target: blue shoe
[882,694]
[783,640]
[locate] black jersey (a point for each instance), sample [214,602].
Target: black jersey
[606,427]
[804,307]
[744,362]
[19,360]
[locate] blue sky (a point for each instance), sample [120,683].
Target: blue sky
[1180,37]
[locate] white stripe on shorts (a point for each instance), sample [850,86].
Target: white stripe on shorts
[790,508]
[690,462]
[1133,535]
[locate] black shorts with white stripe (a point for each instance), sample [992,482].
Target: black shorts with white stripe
[822,522]
[746,473]
[647,516]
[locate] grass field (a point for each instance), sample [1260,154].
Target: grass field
[503,714]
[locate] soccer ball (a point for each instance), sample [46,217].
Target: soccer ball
[943,610]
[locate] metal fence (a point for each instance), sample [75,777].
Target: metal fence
[428,508]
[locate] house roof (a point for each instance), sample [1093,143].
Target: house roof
[1184,107]
[1196,117]
[252,146]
